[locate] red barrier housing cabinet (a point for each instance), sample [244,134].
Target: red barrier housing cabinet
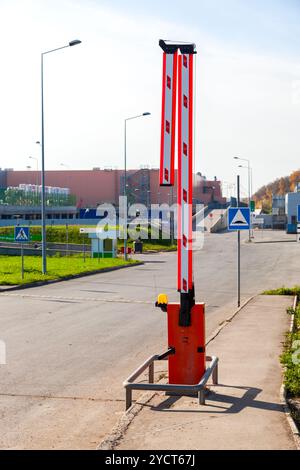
[187,364]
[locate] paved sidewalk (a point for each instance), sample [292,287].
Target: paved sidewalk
[244,411]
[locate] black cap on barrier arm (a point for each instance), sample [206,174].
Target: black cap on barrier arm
[170,47]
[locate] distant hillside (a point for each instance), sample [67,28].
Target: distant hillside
[281,186]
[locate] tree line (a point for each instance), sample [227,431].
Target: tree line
[279,187]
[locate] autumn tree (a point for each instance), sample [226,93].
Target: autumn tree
[279,187]
[294,179]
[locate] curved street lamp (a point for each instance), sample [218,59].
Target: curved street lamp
[75,42]
[125,177]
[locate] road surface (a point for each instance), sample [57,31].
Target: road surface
[71,344]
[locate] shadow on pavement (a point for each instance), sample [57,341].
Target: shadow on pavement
[237,404]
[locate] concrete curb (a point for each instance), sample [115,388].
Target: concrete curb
[119,430]
[68,278]
[227,321]
[287,412]
[283,395]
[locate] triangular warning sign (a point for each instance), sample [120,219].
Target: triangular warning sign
[21,235]
[239,219]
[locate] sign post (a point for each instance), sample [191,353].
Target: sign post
[84,248]
[252,210]
[238,219]
[22,264]
[22,235]
[83,231]
[239,246]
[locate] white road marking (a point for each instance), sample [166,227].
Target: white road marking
[80,299]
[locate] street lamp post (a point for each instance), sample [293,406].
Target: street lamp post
[148,198]
[125,177]
[37,162]
[67,225]
[249,186]
[67,179]
[250,192]
[44,253]
[37,176]
[148,208]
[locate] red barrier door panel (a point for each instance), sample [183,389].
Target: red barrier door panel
[187,365]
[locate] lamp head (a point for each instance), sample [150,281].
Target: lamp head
[74,42]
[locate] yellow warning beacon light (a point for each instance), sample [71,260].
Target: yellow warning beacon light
[162,302]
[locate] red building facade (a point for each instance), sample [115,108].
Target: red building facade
[94,187]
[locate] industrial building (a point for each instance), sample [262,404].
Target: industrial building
[292,201]
[279,219]
[97,186]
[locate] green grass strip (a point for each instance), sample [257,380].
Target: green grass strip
[57,268]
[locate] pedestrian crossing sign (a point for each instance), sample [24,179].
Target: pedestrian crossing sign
[22,234]
[238,218]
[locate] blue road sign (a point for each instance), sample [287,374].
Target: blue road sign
[22,234]
[298,217]
[238,218]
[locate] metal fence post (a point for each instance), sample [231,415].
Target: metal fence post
[215,375]
[201,397]
[128,398]
[151,373]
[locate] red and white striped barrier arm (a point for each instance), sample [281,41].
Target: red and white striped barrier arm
[185,172]
[168,120]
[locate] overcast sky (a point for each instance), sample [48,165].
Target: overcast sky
[247,82]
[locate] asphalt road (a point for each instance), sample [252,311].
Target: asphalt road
[71,344]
